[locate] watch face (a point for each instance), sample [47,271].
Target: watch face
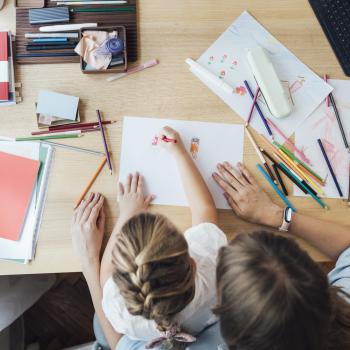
[288,215]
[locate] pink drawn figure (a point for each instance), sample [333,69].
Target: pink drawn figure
[241,90]
[211,59]
[233,64]
[155,141]
[297,84]
[222,74]
[223,59]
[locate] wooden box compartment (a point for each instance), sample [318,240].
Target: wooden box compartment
[117,69]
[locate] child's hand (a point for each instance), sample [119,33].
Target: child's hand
[171,141]
[132,200]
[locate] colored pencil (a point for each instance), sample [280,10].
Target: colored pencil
[297,160]
[330,167]
[299,172]
[309,187]
[61,54]
[91,182]
[331,98]
[284,189]
[48,137]
[261,157]
[73,148]
[132,70]
[258,109]
[59,46]
[51,35]
[86,3]
[325,78]
[286,139]
[49,40]
[283,197]
[291,178]
[80,125]
[252,107]
[318,200]
[103,9]
[104,140]
[46,132]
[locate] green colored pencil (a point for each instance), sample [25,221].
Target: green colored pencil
[296,159]
[103,9]
[48,137]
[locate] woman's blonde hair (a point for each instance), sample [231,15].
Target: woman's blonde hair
[273,296]
[153,269]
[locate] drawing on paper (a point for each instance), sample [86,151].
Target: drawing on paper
[194,147]
[155,141]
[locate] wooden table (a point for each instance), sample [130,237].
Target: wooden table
[170,31]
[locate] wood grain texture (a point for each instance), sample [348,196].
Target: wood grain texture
[171,32]
[108,19]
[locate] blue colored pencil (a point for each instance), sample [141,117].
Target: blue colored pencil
[51,54]
[258,108]
[283,197]
[49,40]
[330,167]
[301,185]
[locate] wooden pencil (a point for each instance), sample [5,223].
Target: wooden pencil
[47,132]
[91,182]
[98,114]
[48,137]
[330,167]
[80,125]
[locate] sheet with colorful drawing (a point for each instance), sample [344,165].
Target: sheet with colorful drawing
[322,124]
[207,143]
[226,58]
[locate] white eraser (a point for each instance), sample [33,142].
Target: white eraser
[269,83]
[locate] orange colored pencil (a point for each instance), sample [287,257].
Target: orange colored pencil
[91,182]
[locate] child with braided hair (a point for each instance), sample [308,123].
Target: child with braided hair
[159,284]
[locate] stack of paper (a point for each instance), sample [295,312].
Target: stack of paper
[54,108]
[24,174]
[7,76]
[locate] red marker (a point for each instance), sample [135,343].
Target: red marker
[166,139]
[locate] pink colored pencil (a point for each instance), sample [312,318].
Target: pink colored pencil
[325,78]
[80,125]
[252,107]
[286,139]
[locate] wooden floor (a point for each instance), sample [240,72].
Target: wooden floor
[63,316]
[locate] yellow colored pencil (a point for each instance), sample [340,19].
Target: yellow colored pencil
[300,172]
[91,182]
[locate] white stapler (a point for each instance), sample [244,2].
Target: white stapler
[270,85]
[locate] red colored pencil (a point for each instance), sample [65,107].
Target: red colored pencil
[167,139]
[325,78]
[80,125]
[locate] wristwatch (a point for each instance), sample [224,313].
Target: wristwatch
[287,219]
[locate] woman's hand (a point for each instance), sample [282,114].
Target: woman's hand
[132,200]
[171,141]
[245,197]
[87,229]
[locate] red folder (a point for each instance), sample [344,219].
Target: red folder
[18,177]
[4,73]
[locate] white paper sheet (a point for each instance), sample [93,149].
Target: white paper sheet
[217,143]
[322,124]
[21,249]
[226,58]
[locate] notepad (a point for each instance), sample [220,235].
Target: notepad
[18,178]
[58,105]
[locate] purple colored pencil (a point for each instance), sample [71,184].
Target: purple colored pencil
[258,108]
[253,105]
[104,139]
[330,167]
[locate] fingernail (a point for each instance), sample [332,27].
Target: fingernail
[214,174]
[239,164]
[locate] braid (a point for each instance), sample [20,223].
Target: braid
[153,269]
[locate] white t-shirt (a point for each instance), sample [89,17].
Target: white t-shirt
[204,241]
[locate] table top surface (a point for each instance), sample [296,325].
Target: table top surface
[171,32]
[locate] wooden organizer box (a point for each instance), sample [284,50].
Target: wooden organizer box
[104,19]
